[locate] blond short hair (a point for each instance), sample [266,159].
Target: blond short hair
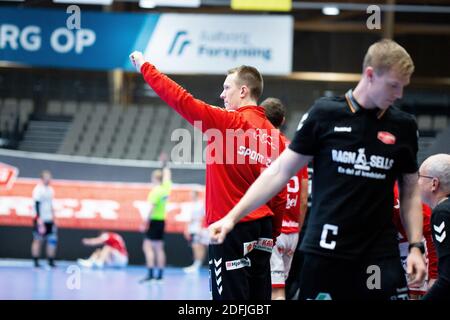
[249,76]
[386,55]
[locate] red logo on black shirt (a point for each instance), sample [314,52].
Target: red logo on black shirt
[386,137]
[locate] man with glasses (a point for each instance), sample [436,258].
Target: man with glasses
[434,184]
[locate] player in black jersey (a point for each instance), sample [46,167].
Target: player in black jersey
[360,145]
[434,184]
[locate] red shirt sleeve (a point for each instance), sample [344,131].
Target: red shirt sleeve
[108,239]
[186,105]
[278,205]
[431,250]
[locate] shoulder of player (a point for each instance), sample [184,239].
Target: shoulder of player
[328,107]
[38,188]
[401,116]
[235,117]
[442,210]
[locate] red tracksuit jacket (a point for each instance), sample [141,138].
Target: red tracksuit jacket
[227,182]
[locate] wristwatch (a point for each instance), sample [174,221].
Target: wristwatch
[418,245]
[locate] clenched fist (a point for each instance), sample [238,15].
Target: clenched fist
[137,59]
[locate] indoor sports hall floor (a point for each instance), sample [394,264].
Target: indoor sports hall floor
[20,280]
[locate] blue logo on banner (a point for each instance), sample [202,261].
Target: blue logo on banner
[180,41]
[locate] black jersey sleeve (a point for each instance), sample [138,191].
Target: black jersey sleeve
[441,229]
[306,139]
[408,160]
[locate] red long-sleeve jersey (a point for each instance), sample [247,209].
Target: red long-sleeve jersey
[241,144]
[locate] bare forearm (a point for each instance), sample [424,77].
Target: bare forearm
[92,242]
[411,208]
[167,175]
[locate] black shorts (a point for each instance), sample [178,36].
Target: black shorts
[156,230]
[325,278]
[50,230]
[240,266]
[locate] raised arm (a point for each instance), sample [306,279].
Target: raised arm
[269,183]
[180,100]
[167,175]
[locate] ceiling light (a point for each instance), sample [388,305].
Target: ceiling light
[330,11]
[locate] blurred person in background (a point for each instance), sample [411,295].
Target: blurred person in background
[113,252]
[44,227]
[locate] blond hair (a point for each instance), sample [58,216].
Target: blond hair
[250,77]
[386,55]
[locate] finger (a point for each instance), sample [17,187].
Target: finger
[409,268]
[422,275]
[417,276]
[222,236]
[217,236]
[416,282]
[213,235]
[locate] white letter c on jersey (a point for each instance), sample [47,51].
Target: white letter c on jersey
[323,239]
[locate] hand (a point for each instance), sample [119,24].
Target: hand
[143,227]
[163,157]
[219,229]
[85,241]
[187,235]
[137,59]
[431,282]
[40,226]
[416,268]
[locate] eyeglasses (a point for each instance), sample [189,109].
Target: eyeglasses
[424,176]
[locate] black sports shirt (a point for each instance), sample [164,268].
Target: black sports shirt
[440,224]
[358,155]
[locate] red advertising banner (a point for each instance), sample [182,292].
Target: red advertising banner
[8,175]
[96,205]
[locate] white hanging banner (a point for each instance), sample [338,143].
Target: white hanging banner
[211,44]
